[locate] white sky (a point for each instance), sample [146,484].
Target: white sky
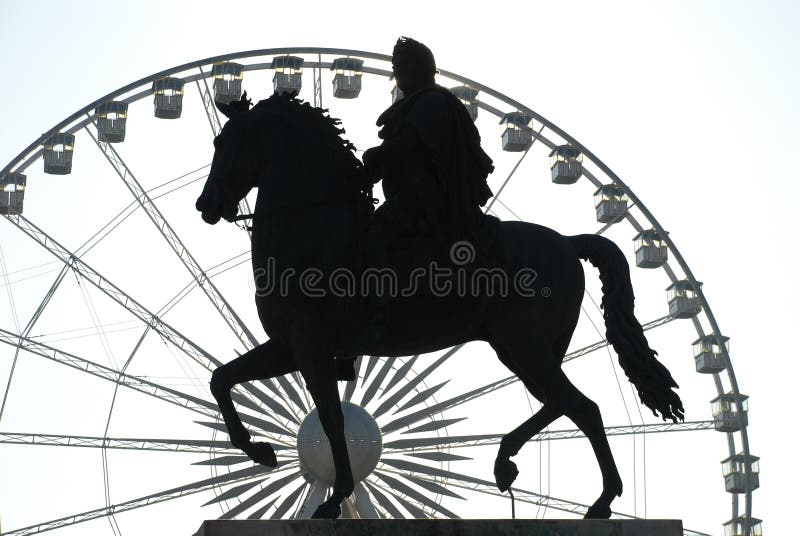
[691,103]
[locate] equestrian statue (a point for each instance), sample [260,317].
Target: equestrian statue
[314,214]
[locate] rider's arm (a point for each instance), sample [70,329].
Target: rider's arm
[406,142]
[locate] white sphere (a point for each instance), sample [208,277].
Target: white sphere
[363,438]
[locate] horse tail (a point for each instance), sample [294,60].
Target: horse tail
[652,380]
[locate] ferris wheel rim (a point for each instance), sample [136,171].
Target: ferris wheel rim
[20,158]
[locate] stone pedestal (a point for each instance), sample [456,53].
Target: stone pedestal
[443,527]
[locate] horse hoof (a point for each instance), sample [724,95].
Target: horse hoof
[598,512]
[262,453]
[327,511]
[505,472]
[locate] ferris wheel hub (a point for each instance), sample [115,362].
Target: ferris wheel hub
[364,444]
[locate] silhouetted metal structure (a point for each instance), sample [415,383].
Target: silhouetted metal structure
[566,164]
[610,203]
[469,96]
[347,77]
[57,153]
[288,76]
[683,300]
[227,81]
[517,131]
[168,97]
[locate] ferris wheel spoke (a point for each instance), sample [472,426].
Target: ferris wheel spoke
[272,487]
[400,487]
[424,413]
[432,486]
[270,402]
[235,491]
[434,425]
[422,444]
[351,385]
[371,362]
[208,103]
[438,456]
[376,382]
[383,501]
[259,514]
[193,446]
[400,374]
[484,486]
[28,328]
[422,396]
[602,344]
[167,332]
[147,500]
[263,428]
[412,383]
[219,302]
[292,393]
[167,394]
[287,503]
[138,384]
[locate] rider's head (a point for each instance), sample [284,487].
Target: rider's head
[413,65]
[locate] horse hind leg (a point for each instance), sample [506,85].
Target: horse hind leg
[548,383]
[264,361]
[505,471]
[586,415]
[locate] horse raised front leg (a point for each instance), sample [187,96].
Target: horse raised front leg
[265,361]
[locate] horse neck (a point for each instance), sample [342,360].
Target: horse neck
[298,171]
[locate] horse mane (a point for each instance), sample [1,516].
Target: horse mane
[317,120]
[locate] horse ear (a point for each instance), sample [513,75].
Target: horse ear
[234,107]
[224,108]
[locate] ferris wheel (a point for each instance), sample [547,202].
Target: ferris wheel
[121,303]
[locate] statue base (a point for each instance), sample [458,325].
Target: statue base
[443,527]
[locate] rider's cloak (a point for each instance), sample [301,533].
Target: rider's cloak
[452,143]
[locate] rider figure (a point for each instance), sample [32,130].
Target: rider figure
[432,165]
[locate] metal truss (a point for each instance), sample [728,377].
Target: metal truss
[167,332]
[162,496]
[400,446]
[167,394]
[602,344]
[198,274]
[195,446]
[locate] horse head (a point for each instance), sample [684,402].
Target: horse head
[235,166]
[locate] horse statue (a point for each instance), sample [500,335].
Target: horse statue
[311,209]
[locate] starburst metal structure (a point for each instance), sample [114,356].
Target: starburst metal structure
[421,467]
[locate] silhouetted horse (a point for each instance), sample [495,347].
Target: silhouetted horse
[308,212]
